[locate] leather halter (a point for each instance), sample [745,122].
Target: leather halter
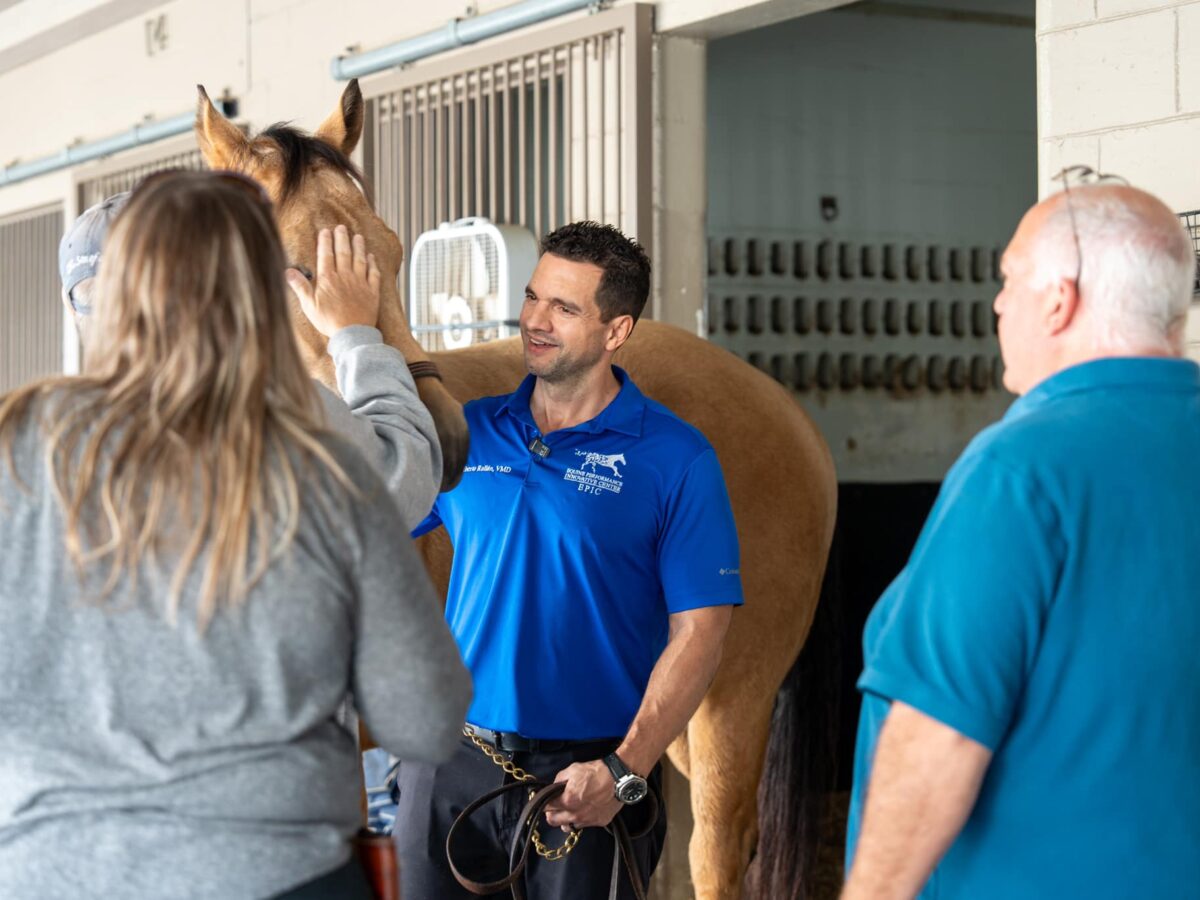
[425,369]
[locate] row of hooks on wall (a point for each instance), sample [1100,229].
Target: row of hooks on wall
[893,371]
[830,260]
[758,314]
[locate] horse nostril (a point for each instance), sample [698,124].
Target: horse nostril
[303,270]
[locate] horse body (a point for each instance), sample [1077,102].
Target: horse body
[777,468]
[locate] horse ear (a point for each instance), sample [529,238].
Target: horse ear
[221,142]
[344,126]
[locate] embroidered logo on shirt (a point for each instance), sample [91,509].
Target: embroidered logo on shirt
[591,481]
[591,460]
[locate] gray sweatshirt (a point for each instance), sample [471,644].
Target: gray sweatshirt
[141,759]
[380,413]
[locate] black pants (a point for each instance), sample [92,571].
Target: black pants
[431,797]
[346,883]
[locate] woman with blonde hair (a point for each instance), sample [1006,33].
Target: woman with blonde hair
[194,576]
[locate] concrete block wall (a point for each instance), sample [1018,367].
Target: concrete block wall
[1119,90]
[272,55]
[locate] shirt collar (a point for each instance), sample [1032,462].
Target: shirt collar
[624,414]
[1161,372]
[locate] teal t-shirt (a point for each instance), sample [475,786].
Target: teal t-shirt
[1051,612]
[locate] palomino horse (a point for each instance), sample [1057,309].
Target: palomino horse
[778,469]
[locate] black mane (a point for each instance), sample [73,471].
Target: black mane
[299,152]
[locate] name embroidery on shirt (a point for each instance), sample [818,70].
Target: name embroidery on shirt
[592,475]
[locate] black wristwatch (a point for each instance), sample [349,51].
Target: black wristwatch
[630,787]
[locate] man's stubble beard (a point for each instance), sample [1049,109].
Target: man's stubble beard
[565,370]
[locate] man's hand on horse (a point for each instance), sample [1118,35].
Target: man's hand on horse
[346,289]
[588,798]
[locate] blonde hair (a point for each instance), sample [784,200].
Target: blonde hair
[185,431]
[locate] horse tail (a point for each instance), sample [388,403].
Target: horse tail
[800,771]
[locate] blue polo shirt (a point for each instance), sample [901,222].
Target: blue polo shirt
[567,566]
[1051,612]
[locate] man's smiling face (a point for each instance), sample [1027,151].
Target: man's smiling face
[561,329]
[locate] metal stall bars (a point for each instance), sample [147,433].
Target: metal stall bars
[123,174]
[31,313]
[539,130]
[1191,221]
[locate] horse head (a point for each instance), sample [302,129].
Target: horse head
[313,185]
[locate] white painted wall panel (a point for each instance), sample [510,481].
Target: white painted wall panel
[924,130]
[1107,8]
[106,83]
[1056,154]
[1187,58]
[1108,74]
[1124,91]
[920,128]
[1060,13]
[1162,159]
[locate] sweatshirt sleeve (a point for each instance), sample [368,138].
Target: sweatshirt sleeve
[409,682]
[382,415]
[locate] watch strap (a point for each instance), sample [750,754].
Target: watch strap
[616,767]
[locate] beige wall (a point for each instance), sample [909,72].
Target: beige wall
[272,55]
[1118,80]
[94,76]
[1119,90]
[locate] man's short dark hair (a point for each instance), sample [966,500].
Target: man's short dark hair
[625,284]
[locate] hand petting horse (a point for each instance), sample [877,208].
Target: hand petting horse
[778,470]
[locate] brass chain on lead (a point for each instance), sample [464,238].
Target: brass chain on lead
[519,774]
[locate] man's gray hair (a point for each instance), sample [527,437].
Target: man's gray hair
[1138,266]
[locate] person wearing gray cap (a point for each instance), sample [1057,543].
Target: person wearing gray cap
[379,409]
[79,255]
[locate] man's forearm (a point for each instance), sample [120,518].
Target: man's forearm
[924,781]
[680,679]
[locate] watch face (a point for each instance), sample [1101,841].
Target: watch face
[631,789]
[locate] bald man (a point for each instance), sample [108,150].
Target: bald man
[1030,723]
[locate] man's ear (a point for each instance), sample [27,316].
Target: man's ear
[1060,305]
[344,125]
[619,330]
[221,142]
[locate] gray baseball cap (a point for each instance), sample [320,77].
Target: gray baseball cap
[79,250]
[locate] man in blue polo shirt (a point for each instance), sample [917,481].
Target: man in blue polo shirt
[1031,698]
[595,571]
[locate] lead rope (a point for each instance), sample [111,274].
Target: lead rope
[518,855]
[518,774]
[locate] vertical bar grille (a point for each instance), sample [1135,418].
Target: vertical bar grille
[94,190]
[31,314]
[532,134]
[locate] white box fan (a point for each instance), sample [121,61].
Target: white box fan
[466,282]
